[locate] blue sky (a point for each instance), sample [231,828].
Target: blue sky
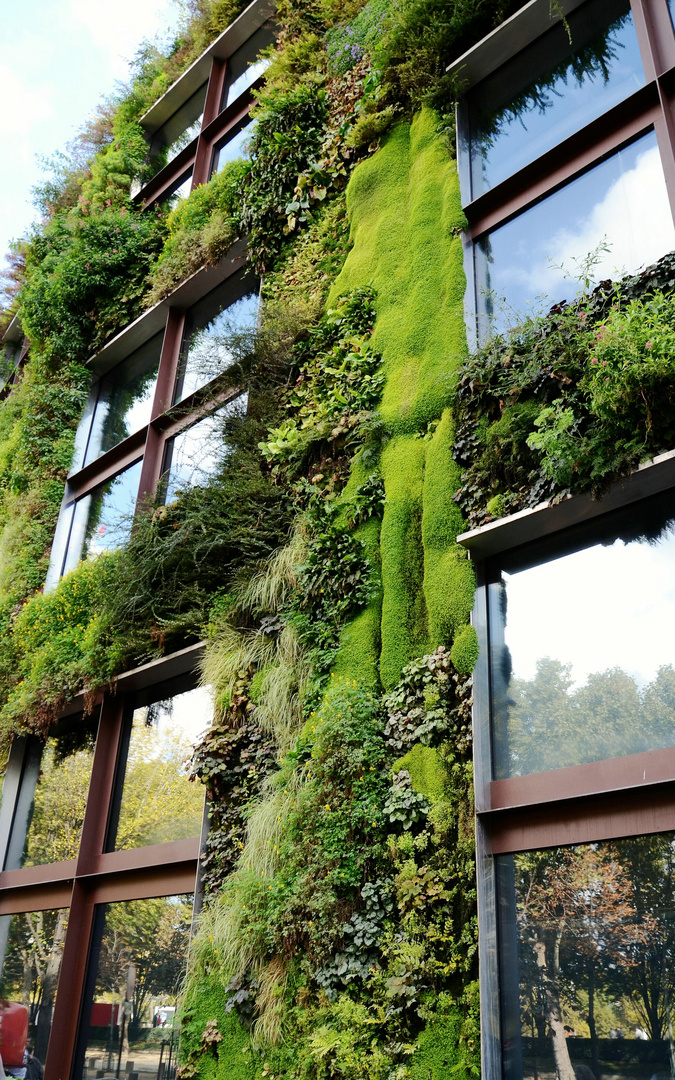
[58,59]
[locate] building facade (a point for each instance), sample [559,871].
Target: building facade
[363,960]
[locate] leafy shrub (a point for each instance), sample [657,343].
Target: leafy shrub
[347,43]
[85,277]
[200,229]
[288,134]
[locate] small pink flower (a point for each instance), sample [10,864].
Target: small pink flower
[594,360]
[607,379]
[86,266]
[604,363]
[648,344]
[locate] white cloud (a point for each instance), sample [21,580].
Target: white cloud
[24,105]
[635,216]
[596,609]
[116,27]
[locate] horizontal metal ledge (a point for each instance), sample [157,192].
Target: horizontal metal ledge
[182,662]
[514,34]
[172,853]
[197,74]
[153,321]
[578,781]
[639,812]
[652,478]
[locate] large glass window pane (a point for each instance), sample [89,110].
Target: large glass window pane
[159,802]
[124,400]
[207,348]
[53,830]
[139,968]
[31,948]
[236,147]
[245,66]
[618,210]
[102,520]
[586,668]
[194,455]
[181,128]
[587,960]
[551,89]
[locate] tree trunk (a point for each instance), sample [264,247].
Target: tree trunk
[549,982]
[49,984]
[595,1061]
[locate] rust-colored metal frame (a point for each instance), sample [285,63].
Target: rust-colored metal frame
[98,876]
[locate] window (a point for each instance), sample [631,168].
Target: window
[618,210]
[588,978]
[210,325]
[118,873]
[574,731]
[565,153]
[235,146]
[553,88]
[182,127]
[586,670]
[131,438]
[200,121]
[102,520]
[132,1014]
[124,399]
[158,802]
[194,455]
[246,65]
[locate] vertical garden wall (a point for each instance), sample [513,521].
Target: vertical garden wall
[318,561]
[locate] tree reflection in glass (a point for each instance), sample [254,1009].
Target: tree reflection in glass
[159,801]
[124,399]
[593,957]
[211,347]
[32,947]
[586,670]
[139,971]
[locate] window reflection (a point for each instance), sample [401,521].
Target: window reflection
[245,66]
[212,324]
[235,147]
[102,520]
[140,966]
[124,400]
[182,127]
[31,949]
[618,210]
[184,139]
[180,191]
[159,802]
[556,86]
[194,455]
[586,670]
[60,796]
[588,944]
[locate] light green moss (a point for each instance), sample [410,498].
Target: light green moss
[233,1058]
[427,773]
[464,652]
[448,575]
[440,1051]
[405,213]
[404,623]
